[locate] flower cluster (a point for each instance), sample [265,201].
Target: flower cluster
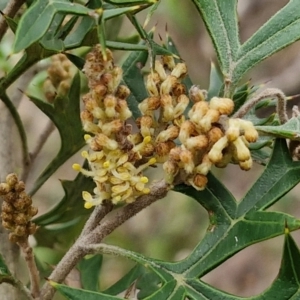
[59,77]
[115,155]
[17,210]
[208,137]
[187,134]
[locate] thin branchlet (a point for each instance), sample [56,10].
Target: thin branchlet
[268,93]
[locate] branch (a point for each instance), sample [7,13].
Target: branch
[32,268]
[10,10]
[158,191]
[268,93]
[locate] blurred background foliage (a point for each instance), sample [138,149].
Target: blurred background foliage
[170,228]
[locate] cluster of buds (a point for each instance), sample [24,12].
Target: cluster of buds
[59,77]
[118,156]
[208,137]
[115,156]
[163,111]
[17,210]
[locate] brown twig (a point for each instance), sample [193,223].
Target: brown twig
[10,10]
[32,268]
[77,252]
[95,218]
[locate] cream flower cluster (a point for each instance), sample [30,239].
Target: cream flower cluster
[112,156]
[187,134]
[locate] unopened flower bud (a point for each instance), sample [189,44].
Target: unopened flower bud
[242,152]
[175,154]
[110,103]
[204,167]
[215,154]
[186,158]
[171,170]
[21,219]
[160,70]
[112,127]
[196,94]
[102,140]
[179,71]
[164,148]
[198,111]
[198,142]
[151,86]
[214,135]
[168,61]
[171,133]
[187,129]
[250,132]
[20,230]
[4,188]
[183,102]
[168,85]
[149,104]
[233,131]
[212,116]
[11,179]
[224,106]
[198,181]
[246,165]
[179,89]
[122,92]
[123,110]
[168,109]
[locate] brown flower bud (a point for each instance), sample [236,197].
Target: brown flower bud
[23,202]
[100,90]
[149,104]
[32,211]
[20,230]
[11,197]
[179,89]
[7,217]
[164,148]
[7,207]
[20,186]
[214,135]
[199,182]
[122,92]
[11,179]
[196,94]
[8,225]
[21,219]
[31,228]
[4,188]
[175,154]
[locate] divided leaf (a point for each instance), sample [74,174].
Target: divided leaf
[65,114]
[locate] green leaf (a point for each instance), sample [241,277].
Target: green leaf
[89,268]
[280,176]
[71,205]
[132,76]
[215,82]
[220,18]
[289,130]
[280,31]
[65,114]
[37,19]
[287,284]
[5,275]
[78,294]
[126,281]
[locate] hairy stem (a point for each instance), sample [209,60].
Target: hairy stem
[268,93]
[32,268]
[78,251]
